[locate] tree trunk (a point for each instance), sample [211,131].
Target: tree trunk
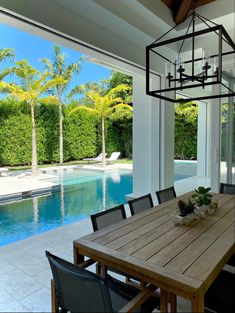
[34,143]
[103,143]
[61,131]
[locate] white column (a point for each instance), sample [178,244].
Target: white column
[202,140]
[167,144]
[214,135]
[153,140]
[145,138]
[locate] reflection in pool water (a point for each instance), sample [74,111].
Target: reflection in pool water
[81,194]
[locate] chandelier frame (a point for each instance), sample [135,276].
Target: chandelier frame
[178,78]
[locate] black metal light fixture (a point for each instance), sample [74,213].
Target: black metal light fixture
[197,64]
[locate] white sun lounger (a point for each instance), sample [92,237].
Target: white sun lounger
[96,159]
[113,157]
[3,171]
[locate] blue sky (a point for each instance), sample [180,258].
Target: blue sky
[33,48]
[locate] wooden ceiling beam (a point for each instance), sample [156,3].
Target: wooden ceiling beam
[182,8]
[198,3]
[183,11]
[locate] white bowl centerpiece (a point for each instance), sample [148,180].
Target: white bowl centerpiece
[203,201]
[186,214]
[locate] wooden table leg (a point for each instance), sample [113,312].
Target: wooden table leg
[198,303]
[163,301]
[173,302]
[77,258]
[54,300]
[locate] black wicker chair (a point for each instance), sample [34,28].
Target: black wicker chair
[108,217]
[75,289]
[140,204]
[166,194]
[228,189]
[101,220]
[220,297]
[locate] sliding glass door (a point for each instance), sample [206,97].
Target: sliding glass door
[227,164]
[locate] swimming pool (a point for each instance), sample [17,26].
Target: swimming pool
[82,193]
[184,169]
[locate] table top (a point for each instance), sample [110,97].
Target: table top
[149,246]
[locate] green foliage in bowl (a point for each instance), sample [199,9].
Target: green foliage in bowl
[202,196]
[186,207]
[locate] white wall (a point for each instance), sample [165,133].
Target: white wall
[153,140]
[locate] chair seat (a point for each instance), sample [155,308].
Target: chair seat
[122,293]
[220,297]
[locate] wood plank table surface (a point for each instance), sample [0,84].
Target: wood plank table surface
[181,260]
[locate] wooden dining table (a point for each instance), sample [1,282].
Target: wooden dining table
[180,260]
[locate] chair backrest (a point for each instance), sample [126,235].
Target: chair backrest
[114,156]
[77,289]
[165,194]
[227,188]
[108,217]
[140,204]
[99,157]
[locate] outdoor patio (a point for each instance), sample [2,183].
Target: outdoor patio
[25,272]
[191,66]
[24,269]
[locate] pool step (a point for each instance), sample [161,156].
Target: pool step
[56,169]
[28,194]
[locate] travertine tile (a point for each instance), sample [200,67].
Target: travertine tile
[19,284]
[44,277]
[5,266]
[29,264]
[39,301]
[9,304]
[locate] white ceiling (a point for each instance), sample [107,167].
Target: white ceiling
[120,27]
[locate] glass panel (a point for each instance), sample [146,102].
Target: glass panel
[186,124]
[227,165]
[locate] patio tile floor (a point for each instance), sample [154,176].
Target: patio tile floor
[25,273]
[24,269]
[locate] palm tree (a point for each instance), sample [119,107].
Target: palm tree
[58,68]
[5,54]
[103,106]
[33,85]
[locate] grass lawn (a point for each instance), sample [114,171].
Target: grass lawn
[26,167]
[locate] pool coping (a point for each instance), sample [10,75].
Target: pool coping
[22,185]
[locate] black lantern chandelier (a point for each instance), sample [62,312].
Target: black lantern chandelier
[197,64]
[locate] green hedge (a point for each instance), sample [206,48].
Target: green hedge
[186,119]
[82,136]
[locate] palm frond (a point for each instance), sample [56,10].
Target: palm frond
[49,100]
[24,69]
[119,88]
[52,83]
[48,65]
[120,111]
[6,72]
[84,108]
[6,53]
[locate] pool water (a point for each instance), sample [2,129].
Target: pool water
[184,169]
[82,193]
